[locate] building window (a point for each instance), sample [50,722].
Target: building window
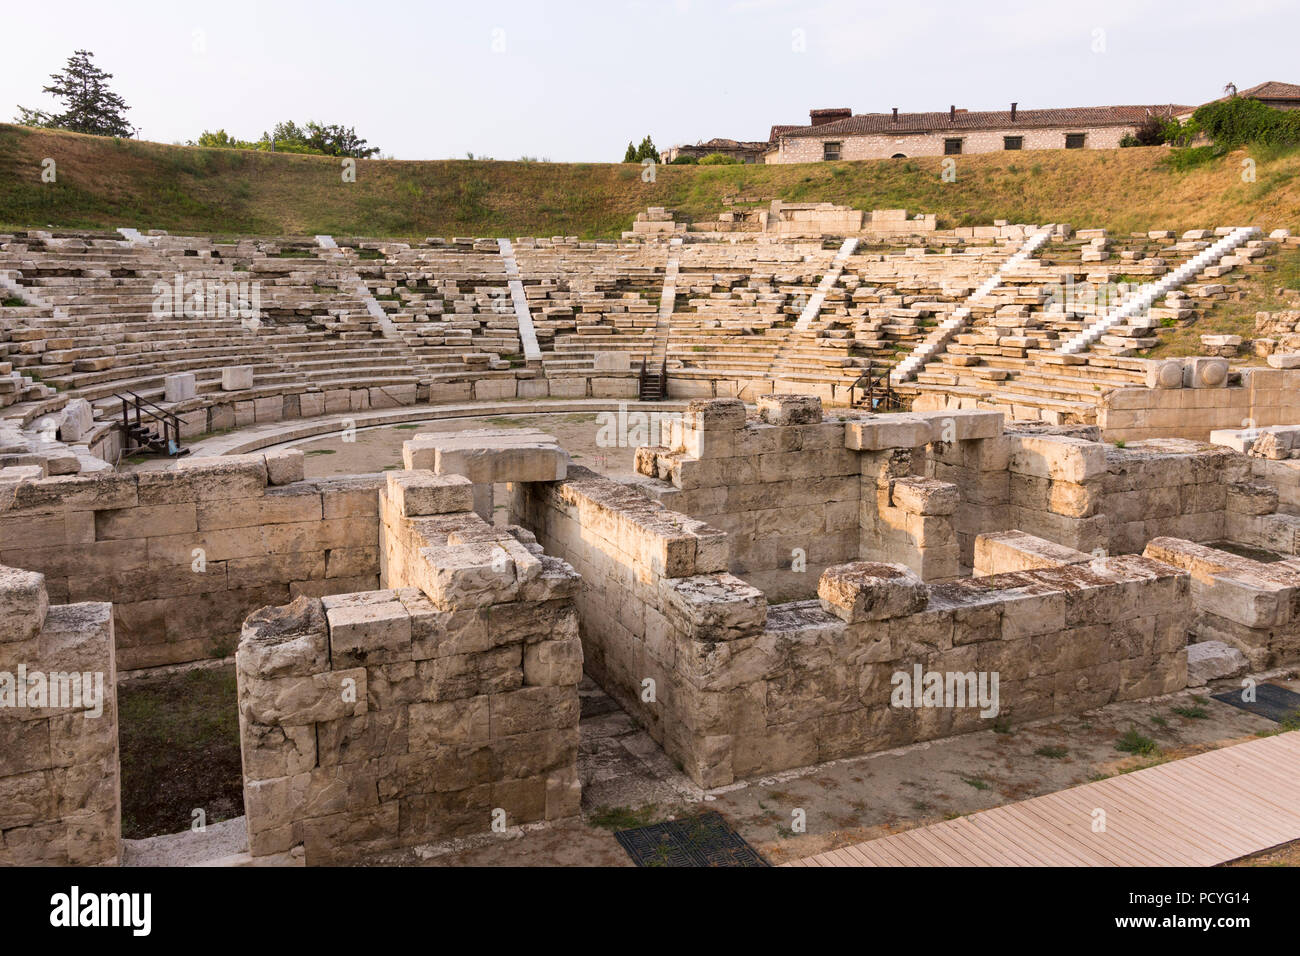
[1013,142]
[951,147]
[831,151]
[1074,140]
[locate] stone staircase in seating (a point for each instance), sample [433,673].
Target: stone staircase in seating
[937,340]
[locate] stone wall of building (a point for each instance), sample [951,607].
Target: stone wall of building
[60,799]
[444,705]
[1265,397]
[1250,605]
[809,149]
[733,688]
[784,488]
[1088,495]
[185,554]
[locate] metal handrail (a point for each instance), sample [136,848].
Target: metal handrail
[171,423]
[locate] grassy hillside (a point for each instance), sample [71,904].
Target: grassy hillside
[107,183]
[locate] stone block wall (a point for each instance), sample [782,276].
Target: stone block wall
[185,554]
[1265,397]
[60,798]
[733,688]
[438,707]
[1099,498]
[656,600]
[1247,604]
[785,489]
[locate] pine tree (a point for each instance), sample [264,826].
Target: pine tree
[89,105]
[630,155]
[647,151]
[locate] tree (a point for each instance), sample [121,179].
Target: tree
[647,151]
[630,155]
[289,137]
[89,106]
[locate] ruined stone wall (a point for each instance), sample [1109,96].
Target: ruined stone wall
[1095,497]
[1248,604]
[655,601]
[784,488]
[60,799]
[185,554]
[435,708]
[1266,397]
[733,688]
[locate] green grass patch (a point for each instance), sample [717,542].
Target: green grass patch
[1051,752]
[1133,742]
[622,818]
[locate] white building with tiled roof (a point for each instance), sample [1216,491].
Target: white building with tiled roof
[958,131]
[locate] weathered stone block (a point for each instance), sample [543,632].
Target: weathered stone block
[869,591]
[416,493]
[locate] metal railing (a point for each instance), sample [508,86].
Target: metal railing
[147,414]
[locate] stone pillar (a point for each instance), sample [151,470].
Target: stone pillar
[60,796]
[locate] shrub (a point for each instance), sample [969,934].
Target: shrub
[1236,122]
[684,161]
[719,159]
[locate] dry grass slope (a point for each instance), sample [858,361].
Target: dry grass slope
[107,183]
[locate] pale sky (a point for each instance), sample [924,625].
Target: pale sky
[575,81]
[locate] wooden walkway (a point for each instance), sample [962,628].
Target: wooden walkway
[1198,811]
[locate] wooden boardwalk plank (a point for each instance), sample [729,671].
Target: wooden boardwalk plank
[1198,811]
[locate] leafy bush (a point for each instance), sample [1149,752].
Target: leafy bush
[720,159]
[1237,121]
[684,161]
[288,137]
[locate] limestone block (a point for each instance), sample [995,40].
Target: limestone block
[883,432]
[467,575]
[1246,599]
[1213,660]
[790,409]
[287,641]
[713,607]
[925,496]
[966,425]
[303,700]
[724,414]
[612,362]
[219,478]
[870,591]
[236,378]
[285,467]
[1167,374]
[23,604]
[549,663]
[179,387]
[415,493]
[83,492]
[1205,373]
[366,633]
[78,420]
[1251,499]
[1288,360]
[1058,457]
[1003,551]
[488,455]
